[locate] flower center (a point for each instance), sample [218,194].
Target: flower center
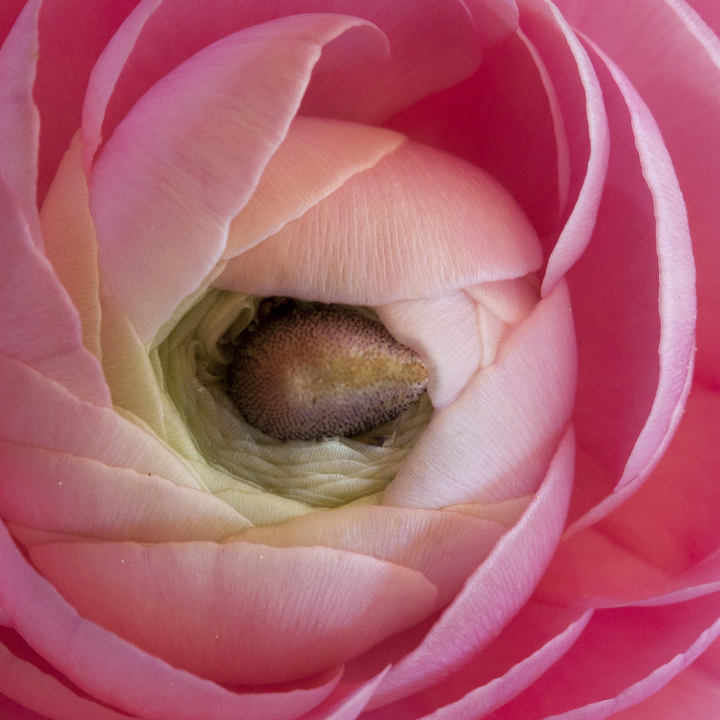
[303,373]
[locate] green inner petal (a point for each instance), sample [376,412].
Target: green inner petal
[264,479]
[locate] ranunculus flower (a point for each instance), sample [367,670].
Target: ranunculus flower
[512,188]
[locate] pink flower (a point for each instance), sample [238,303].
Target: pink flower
[522,563]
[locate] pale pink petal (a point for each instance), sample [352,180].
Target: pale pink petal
[36,690]
[494,593]
[315,159]
[435,44]
[445,332]
[686,107]
[419,223]
[483,448]
[522,156]
[188,156]
[585,123]
[628,406]
[444,546]
[71,35]
[707,9]
[533,641]
[38,412]
[458,333]
[239,613]
[622,657]
[39,324]
[56,491]
[19,116]
[115,671]
[70,243]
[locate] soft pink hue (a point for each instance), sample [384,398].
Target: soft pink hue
[530,596]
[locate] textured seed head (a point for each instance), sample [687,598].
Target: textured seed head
[307,374]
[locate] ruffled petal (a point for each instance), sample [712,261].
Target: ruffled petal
[482,448]
[239,613]
[418,223]
[188,156]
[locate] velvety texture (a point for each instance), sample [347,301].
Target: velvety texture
[526,192]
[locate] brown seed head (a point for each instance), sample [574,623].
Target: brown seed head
[307,374]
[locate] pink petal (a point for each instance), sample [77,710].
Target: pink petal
[38,412]
[419,223]
[239,613]
[627,407]
[533,641]
[40,326]
[494,593]
[708,10]
[60,492]
[482,448]
[434,45]
[9,12]
[315,158]
[522,156]
[187,158]
[114,671]
[458,333]
[444,546]
[70,243]
[622,657]
[686,105]
[37,690]
[692,693]
[71,35]
[585,123]
[661,544]
[19,116]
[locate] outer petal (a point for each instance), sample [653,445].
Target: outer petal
[117,672]
[435,44]
[686,106]
[187,158]
[623,656]
[239,613]
[628,405]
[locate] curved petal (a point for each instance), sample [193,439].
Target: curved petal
[64,493]
[19,116]
[435,44]
[458,333]
[481,448]
[418,223]
[494,593]
[187,158]
[533,641]
[628,406]
[239,613]
[686,107]
[622,657]
[585,123]
[40,326]
[71,35]
[70,243]
[61,422]
[444,546]
[117,672]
